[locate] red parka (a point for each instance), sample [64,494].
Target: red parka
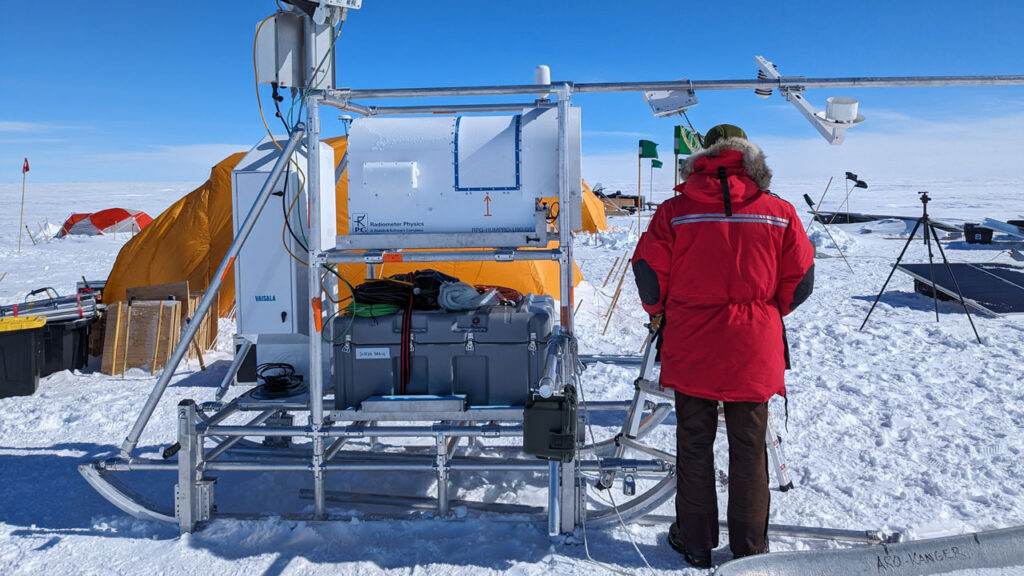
[724,261]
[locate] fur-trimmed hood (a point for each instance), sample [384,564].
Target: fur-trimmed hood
[754,163]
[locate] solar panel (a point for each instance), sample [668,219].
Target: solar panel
[994,289]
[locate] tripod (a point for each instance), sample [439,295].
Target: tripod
[929,231]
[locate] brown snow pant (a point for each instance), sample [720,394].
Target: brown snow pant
[696,500]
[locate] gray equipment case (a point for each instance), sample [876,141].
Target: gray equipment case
[492,355]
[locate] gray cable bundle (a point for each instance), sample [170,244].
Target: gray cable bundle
[459,296]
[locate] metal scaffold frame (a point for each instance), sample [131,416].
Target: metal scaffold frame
[329,430]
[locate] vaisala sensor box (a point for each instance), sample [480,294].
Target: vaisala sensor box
[272,286]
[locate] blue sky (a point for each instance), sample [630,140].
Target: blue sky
[159,91]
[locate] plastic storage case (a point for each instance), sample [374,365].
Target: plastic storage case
[65,345]
[976,234]
[20,355]
[492,355]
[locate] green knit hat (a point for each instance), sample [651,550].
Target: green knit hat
[721,132]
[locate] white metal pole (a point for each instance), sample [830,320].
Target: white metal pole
[316,373]
[554,509]
[567,508]
[786,82]
[564,219]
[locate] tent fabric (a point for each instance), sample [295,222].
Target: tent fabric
[594,219]
[184,243]
[111,220]
[189,240]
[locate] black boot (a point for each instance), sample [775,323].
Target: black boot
[695,558]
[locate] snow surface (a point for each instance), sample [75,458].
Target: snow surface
[909,425]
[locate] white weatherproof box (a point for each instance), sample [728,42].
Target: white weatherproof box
[271,287]
[281,53]
[464,174]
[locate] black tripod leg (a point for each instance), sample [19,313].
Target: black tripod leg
[957,286]
[928,232]
[891,272]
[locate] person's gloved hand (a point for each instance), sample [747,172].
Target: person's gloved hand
[655,321]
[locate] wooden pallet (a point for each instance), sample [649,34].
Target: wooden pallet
[140,335]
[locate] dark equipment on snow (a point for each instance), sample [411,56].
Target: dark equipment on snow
[549,426]
[929,232]
[991,288]
[977,234]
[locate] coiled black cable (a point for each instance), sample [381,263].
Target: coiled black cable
[278,380]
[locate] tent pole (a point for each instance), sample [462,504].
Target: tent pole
[639,198]
[211,293]
[675,168]
[22,217]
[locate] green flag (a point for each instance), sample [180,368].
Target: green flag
[655,163]
[648,149]
[686,141]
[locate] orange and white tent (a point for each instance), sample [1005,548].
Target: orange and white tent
[109,221]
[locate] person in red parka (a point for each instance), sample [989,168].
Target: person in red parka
[723,261]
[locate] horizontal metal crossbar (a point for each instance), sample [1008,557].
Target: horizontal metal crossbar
[341,97]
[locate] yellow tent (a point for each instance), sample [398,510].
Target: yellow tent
[593,211]
[189,240]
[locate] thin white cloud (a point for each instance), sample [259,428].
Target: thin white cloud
[156,163]
[27,127]
[616,134]
[161,162]
[208,154]
[30,140]
[12,127]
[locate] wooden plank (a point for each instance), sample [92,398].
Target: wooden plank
[127,335]
[113,343]
[206,336]
[170,291]
[173,333]
[156,347]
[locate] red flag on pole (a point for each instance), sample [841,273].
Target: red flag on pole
[25,167]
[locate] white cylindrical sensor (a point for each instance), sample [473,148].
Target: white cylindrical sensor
[841,109]
[542,77]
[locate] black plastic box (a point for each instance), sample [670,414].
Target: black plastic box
[65,345]
[549,426]
[20,359]
[975,234]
